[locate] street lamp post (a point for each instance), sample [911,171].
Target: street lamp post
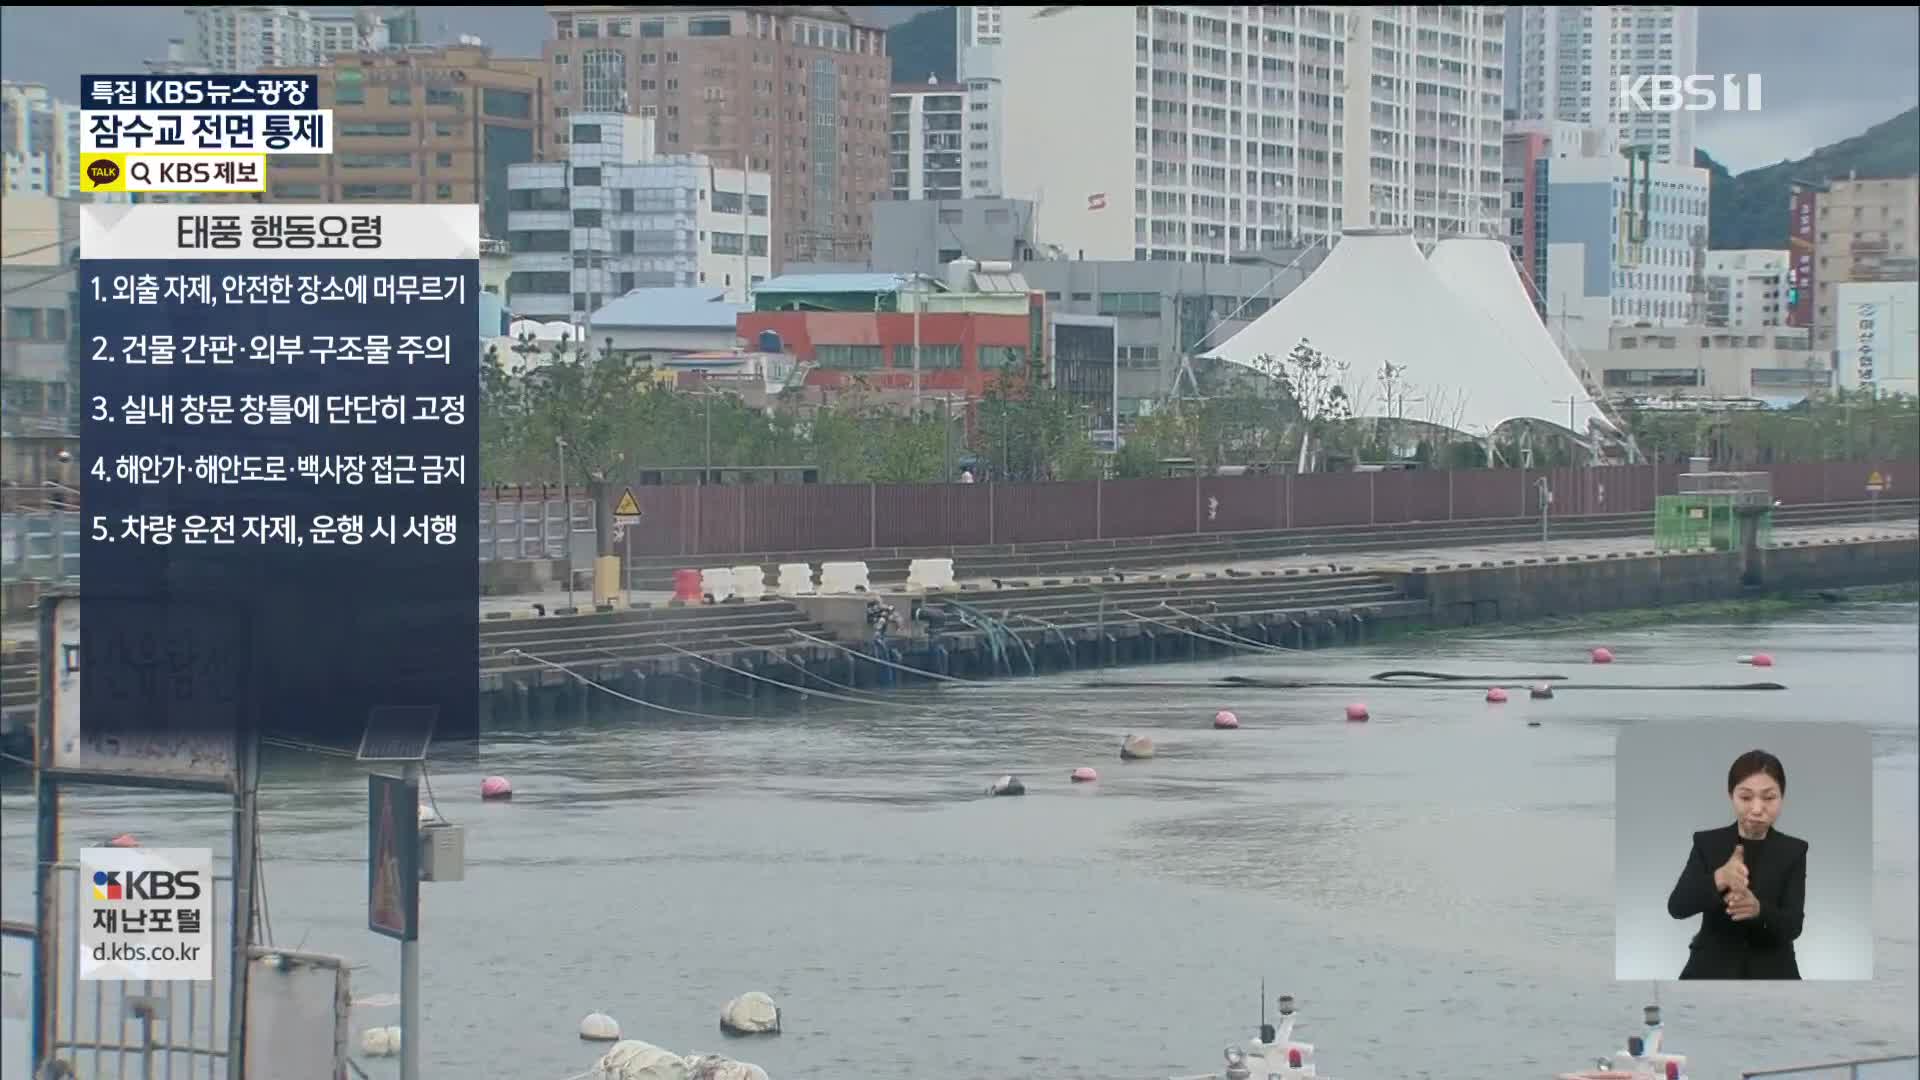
[566,515]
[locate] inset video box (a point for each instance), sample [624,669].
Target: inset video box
[280,462]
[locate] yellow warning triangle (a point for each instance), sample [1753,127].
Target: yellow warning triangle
[629,506]
[1875,480]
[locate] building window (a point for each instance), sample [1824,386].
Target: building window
[709,27]
[23,322]
[380,128]
[443,191]
[586,133]
[399,95]
[586,219]
[443,160]
[443,129]
[297,191]
[1129,303]
[1002,357]
[588,176]
[377,192]
[398,160]
[507,104]
[349,87]
[953,216]
[603,81]
[653,28]
[848,357]
[932,357]
[446,97]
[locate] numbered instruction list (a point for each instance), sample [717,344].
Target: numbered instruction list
[280,468]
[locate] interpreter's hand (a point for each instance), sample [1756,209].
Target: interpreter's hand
[1742,905]
[1732,876]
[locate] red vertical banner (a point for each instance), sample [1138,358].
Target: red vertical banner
[1800,237]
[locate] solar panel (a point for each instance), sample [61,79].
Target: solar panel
[398,732]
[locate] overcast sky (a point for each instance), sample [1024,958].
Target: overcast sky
[1828,72]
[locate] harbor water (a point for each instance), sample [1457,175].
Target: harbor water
[1433,886]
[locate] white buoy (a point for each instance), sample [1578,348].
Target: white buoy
[752,1013]
[631,1059]
[599,1027]
[716,1067]
[380,1041]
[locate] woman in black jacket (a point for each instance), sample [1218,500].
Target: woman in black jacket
[1748,880]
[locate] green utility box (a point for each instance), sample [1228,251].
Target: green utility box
[1709,520]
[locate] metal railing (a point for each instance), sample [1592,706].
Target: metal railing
[96,1029]
[1900,1067]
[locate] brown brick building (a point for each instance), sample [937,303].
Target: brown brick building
[421,125]
[799,92]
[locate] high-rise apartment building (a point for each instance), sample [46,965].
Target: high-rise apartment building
[800,93]
[977,60]
[1566,64]
[40,137]
[246,38]
[1746,288]
[927,141]
[1194,133]
[616,216]
[427,125]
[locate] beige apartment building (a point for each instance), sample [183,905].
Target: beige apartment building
[1864,230]
[421,125]
[798,92]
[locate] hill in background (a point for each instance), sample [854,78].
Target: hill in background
[1750,210]
[924,46]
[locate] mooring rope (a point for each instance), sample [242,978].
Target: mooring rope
[1260,645]
[1466,683]
[1193,633]
[610,690]
[1441,676]
[770,682]
[923,673]
[785,659]
[695,677]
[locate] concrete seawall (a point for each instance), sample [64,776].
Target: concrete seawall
[1550,586]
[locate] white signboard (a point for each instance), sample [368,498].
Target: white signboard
[290,999]
[1877,336]
[185,669]
[146,913]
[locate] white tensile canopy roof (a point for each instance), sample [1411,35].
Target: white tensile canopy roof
[1376,300]
[1480,271]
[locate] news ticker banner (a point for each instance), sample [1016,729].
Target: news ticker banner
[279,456]
[195,133]
[146,913]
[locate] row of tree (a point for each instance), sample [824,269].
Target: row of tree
[612,413]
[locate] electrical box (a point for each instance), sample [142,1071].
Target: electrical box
[443,853]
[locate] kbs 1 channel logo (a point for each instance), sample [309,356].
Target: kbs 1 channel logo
[148,914]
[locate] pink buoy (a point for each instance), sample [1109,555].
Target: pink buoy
[1225,719]
[496,787]
[124,840]
[1357,712]
[1761,659]
[1496,695]
[1603,655]
[1085,775]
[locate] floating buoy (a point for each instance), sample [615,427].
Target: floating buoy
[752,1013]
[1761,659]
[1496,695]
[1225,720]
[1542,692]
[1007,785]
[1603,655]
[599,1027]
[1136,748]
[380,1041]
[497,787]
[124,840]
[1357,712]
[1085,775]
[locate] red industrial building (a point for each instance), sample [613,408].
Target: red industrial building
[862,326]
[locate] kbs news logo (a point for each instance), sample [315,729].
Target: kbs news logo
[146,885]
[1695,93]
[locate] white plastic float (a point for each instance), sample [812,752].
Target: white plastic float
[796,579]
[717,582]
[749,582]
[843,577]
[925,574]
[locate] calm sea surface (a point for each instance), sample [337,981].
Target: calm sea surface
[1432,886]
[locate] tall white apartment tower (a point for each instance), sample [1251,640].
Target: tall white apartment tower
[1567,63]
[1191,133]
[977,56]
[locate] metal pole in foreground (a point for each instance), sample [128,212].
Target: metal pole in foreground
[410,984]
[566,515]
[626,564]
[1542,485]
